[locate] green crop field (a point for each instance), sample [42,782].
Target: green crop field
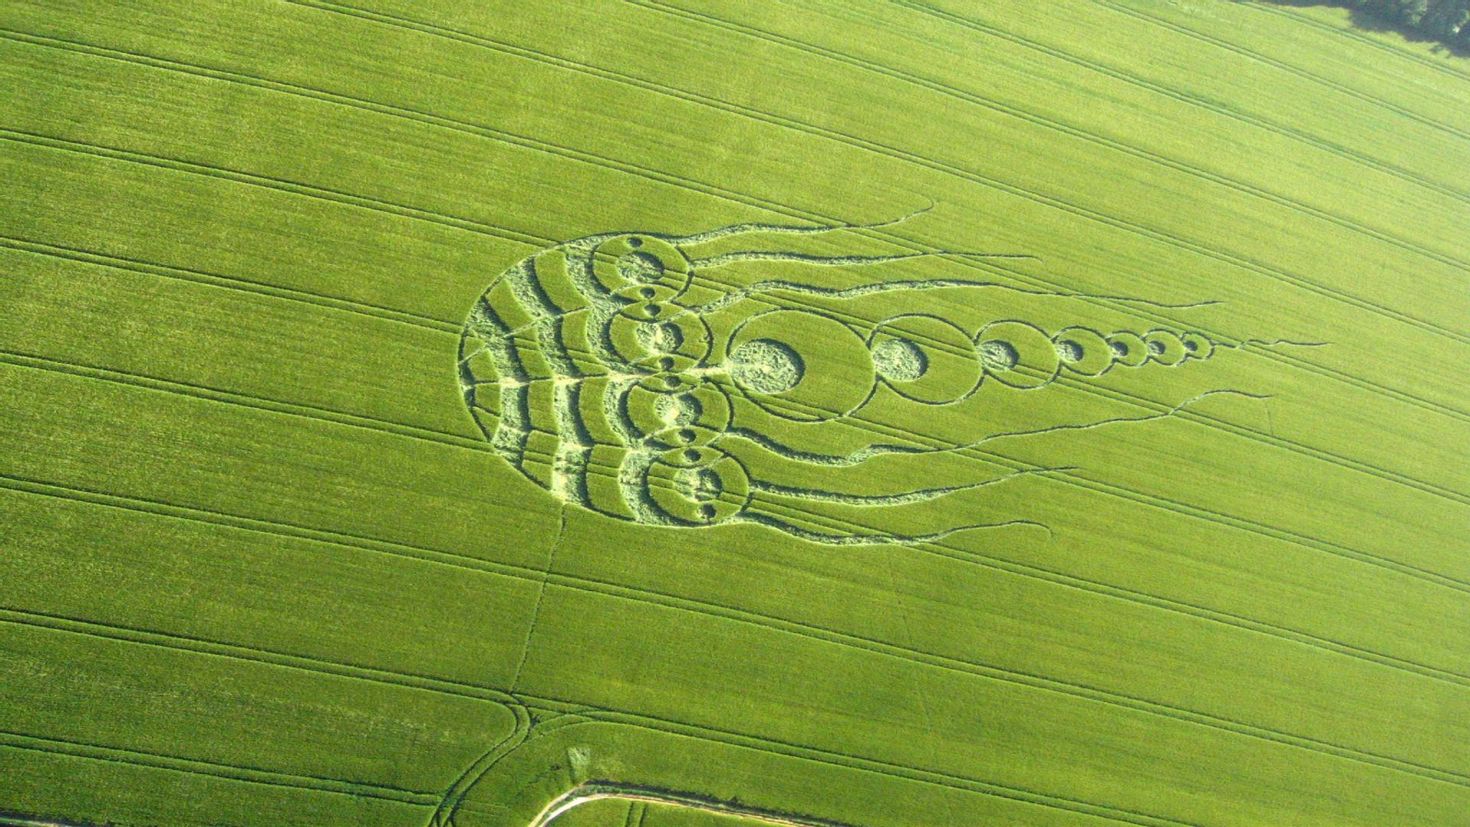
[424,413]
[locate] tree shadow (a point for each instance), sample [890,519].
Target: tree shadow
[1371,21]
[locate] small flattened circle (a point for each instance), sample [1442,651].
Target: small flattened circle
[1083,351]
[1018,354]
[1165,347]
[1197,345]
[1129,349]
[925,359]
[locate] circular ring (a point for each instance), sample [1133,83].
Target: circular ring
[639,267]
[669,338]
[1197,345]
[800,365]
[1083,351]
[706,492]
[1129,349]
[1018,354]
[925,359]
[703,411]
[1165,347]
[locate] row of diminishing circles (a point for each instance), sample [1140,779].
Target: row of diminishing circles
[932,361]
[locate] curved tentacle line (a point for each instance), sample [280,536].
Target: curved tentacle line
[678,381]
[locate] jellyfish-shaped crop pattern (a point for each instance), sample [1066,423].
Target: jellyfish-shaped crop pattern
[618,372]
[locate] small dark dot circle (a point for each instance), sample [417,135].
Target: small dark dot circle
[1191,345]
[651,309]
[1156,347]
[671,381]
[647,292]
[691,455]
[707,512]
[1119,349]
[666,363]
[686,435]
[635,241]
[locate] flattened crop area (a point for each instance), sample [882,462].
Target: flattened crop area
[678,414]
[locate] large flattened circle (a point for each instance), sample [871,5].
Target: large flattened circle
[801,366]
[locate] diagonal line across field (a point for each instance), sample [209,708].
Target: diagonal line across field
[602,162]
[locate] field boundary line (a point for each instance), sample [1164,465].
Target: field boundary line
[313,412]
[268,527]
[264,181]
[888,769]
[639,797]
[390,110]
[314,664]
